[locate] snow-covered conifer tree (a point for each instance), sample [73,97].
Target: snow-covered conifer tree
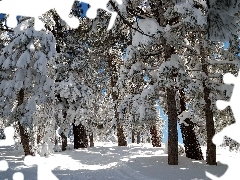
[27,78]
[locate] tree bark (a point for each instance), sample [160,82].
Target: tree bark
[133,136]
[211,147]
[23,134]
[191,144]
[172,128]
[80,136]
[63,136]
[64,141]
[138,137]
[91,140]
[121,138]
[39,135]
[156,142]
[114,77]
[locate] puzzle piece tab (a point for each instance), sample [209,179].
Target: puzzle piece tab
[9,133]
[35,8]
[3,165]
[100,4]
[44,171]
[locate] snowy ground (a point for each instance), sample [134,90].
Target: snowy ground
[107,161]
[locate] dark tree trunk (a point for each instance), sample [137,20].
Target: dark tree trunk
[211,147]
[172,128]
[149,140]
[191,144]
[138,137]
[91,140]
[114,77]
[171,113]
[80,136]
[121,138]
[23,134]
[64,141]
[39,135]
[24,140]
[133,136]
[156,142]
[64,138]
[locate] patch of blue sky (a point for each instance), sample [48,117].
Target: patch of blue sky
[165,129]
[226,45]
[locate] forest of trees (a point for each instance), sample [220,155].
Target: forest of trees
[103,84]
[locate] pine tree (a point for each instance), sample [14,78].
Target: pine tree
[26,77]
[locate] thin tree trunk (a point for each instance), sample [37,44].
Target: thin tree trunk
[171,113]
[138,137]
[114,77]
[39,136]
[91,140]
[64,141]
[171,102]
[76,137]
[156,142]
[211,147]
[149,140]
[23,134]
[191,144]
[172,128]
[133,136]
[63,136]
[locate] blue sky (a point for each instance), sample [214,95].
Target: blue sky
[165,134]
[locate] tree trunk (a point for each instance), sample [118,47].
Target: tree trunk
[172,128]
[91,140]
[23,134]
[121,138]
[156,142]
[80,136]
[149,140]
[64,141]
[138,137]
[211,147]
[191,144]
[171,113]
[39,135]
[114,77]
[133,136]
[64,138]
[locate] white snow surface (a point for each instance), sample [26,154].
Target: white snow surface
[108,161]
